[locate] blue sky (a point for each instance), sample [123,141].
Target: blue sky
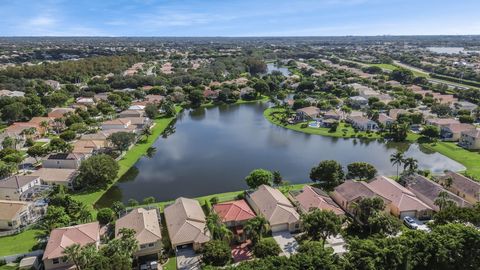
[237,17]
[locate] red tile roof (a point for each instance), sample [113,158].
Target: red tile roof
[234,211]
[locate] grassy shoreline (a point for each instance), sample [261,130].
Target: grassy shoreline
[129,159]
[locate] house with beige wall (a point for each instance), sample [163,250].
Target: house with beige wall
[275,208]
[15,214]
[461,186]
[18,187]
[146,224]
[470,139]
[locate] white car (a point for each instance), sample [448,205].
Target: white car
[410,223]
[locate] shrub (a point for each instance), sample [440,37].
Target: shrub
[266,247]
[216,253]
[105,216]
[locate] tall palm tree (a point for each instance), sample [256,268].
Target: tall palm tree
[255,228]
[397,160]
[73,253]
[217,229]
[146,131]
[443,201]
[410,164]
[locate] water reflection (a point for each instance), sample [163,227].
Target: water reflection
[215,152]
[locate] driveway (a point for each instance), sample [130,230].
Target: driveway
[287,243]
[187,259]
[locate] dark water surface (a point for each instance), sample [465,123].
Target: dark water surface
[212,150]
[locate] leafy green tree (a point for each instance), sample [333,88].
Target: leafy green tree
[118,207]
[97,172]
[133,203]
[122,140]
[259,177]
[58,145]
[37,151]
[216,253]
[329,173]
[430,131]
[6,169]
[54,218]
[119,251]
[266,247]
[404,76]
[13,112]
[217,229]
[105,216]
[410,165]
[277,178]
[321,224]
[196,98]
[443,200]
[261,87]
[169,109]
[361,170]
[151,110]
[149,200]
[68,135]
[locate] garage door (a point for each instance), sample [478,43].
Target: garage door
[280,227]
[408,213]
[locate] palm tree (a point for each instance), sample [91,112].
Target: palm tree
[410,164]
[146,131]
[44,125]
[443,201]
[397,160]
[255,228]
[73,253]
[217,229]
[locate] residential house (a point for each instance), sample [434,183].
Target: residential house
[307,113]
[146,224]
[234,214]
[155,99]
[462,186]
[64,160]
[53,176]
[362,123]
[53,84]
[453,132]
[59,112]
[85,101]
[470,139]
[351,192]
[428,191]
[16,214]
[358,101]
[394,113]
[404,202]
[441,121]
[313,198]
[88,147]
[138,122]
[275,207]
[61,238]
[186,224]
[8,93]
[385,120]
[119,123]
[333,114]
[131,113]
[19,187]
[464,105]
[394,83]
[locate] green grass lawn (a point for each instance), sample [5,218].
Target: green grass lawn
[9,267]
[170,265]
[469,159]
[384,66]
[20,243]
[343,131]
[130,158]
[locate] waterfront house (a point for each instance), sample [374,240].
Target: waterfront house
[404,202]
[362,123]
[19,187]
[428,191]
[439,122]
[186,224]
[61,238]
[385,120]
[351,192]
[54,176]
[234,214]
[470,139]
[119,123]
[64,160]
[131,113]
[462,186]
[453,132]
[307,113]
[275,207]
[333,114]
[313,198]
[16,214]
[146,224]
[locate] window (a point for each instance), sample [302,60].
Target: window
[55,261]
[151,244]
[143,246]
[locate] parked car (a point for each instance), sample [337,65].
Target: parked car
[410,223]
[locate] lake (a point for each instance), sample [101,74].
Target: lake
[274,67]
[212,150]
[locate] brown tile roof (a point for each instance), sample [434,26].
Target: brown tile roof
[465,184]
[54,175]
[144,222]
[311,197]
[186,222]
[274,206]
[10,209]
[62,238]
[459,127]
[310,111]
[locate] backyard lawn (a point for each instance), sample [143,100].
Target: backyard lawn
[343,131]
[170,265]
[130,158]
[469,159]
[20,243]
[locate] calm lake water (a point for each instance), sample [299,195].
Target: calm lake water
[212,150]
[273,67]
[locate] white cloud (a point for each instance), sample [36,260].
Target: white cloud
[42,21]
